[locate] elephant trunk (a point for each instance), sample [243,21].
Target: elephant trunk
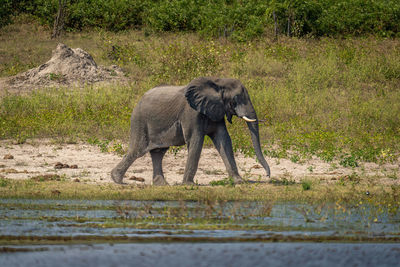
[255,138]
[247,113]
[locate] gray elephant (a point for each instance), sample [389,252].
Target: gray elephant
[177,115]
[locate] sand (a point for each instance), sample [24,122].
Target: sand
[42,157]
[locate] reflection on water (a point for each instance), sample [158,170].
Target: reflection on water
[26,217]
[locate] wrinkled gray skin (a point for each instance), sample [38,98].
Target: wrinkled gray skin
[177,115]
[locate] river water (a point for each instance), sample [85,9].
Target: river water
[172,233]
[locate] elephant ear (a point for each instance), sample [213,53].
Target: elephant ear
[205,96]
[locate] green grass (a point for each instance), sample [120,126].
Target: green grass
[335,99]
[350,192]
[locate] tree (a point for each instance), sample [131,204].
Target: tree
[60,19]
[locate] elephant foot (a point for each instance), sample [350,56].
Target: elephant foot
[116,177]
[159,180]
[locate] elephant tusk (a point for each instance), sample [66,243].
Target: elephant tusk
[248,120]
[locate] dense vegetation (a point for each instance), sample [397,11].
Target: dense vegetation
[238,19]
[334,98]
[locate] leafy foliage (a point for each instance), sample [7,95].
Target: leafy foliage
[360,16]
[5,12]
[238,19]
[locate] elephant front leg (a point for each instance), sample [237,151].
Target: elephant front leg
[222,142]
[157,156]
[194,146]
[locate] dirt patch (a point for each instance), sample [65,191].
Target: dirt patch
[38,157]
[67,66]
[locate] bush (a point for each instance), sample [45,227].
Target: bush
[240,20]
[359,17]
[174,15]
[306,185]
[106,14]
[5,12]
[296,18]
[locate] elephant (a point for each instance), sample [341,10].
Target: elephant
[176,115]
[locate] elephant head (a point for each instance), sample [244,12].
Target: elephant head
[217,98]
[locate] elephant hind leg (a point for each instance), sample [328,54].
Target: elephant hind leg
[194,151]
[157,156]
[117,174]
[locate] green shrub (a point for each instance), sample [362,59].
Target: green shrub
[5,12]
[106,14]
[174,15]
[295,18]
[306,185]
[360,17]
[238,19]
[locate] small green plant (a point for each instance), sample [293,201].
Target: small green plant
[349,161]
[102,144]
[341,181]
[306,185]
[56,77]
[3,182]
[92,140]
[295,158]
[21,138]
[310,168]
[224,182]
[175,149]
[118,149]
